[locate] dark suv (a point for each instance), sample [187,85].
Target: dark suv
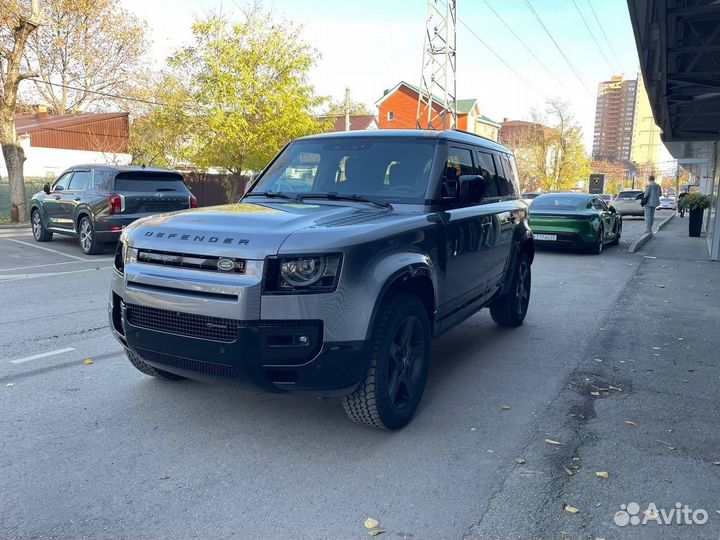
[96,202]
[348,255]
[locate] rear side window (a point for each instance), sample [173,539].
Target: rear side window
[149,181]
[489,174]
[504,176]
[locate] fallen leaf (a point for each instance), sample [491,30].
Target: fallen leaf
[375,532]
[88,361]
[519,461]
[570,509]
[651,514]
[506,407]
[554,443]
[602,474]
[630,423]
[568,471]
[371,523]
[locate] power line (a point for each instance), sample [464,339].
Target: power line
[562,53]
[528,49]
[592,35]
[488,47]
[604,34]
[98,93]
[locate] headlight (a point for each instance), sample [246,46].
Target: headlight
[303,274]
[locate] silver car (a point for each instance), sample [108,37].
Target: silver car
[627,202]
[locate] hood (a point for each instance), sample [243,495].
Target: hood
[255,230]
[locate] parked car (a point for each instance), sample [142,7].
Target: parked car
[627,202]
[94,203]
[335,271]
[577,220]
[667,203]
[607,197]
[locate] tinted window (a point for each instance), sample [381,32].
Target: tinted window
[149,181]
[511,174]
[558,202]
[504,176]
[599,204]
[394,169]
[63,182]
[488,171]
[459,162]
[80,180]
[102,179]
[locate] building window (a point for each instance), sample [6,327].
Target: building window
[390,116]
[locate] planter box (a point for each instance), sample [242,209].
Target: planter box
[695,221]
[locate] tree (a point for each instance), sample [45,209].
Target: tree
[86,48]
[17,23]
[239,93]
[337,108]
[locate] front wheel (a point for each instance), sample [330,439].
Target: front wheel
[510,309]
[400,356]
[40,233]
[88,240]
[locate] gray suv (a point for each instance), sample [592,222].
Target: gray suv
[95,202]
[347,256]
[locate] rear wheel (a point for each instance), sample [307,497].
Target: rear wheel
[597,247]
[88,240]
[618,233]
[511,308]
[400,356]
[40,233]
[147,369]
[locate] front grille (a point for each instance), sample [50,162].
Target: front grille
[197,262]
[209,368]
[183,324]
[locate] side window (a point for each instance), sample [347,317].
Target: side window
[489,174]
[505,186]
[599,204]
[63,182]
[80,180]
[459,162]
[102,180]
[514,174]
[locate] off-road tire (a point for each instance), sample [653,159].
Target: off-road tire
[147,369]
[371,403]
[510,308]
[89,245]
[40,233]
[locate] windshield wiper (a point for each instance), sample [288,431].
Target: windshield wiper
[334,196]
[273,194]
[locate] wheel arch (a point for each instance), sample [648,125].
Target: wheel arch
[82,212]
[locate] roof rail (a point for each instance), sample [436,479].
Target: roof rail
[473,134]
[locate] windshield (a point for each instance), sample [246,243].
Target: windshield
[394,169]
[628,194]
[557,202]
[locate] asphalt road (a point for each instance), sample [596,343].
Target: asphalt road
[102,451]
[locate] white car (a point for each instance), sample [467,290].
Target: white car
[627,202]
[667,203]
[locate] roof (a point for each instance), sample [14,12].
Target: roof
[447,135]
[27,124]
[412,87]
[121,168]
[357,122]
[464,106]
[488,120]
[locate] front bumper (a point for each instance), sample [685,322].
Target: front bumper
[275,355]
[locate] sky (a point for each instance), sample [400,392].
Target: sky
[371,45]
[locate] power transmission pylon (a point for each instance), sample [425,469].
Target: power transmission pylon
[437,105]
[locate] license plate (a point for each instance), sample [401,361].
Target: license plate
[545,237]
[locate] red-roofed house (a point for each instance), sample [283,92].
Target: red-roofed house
[358,122]
[54,142]
[398,110]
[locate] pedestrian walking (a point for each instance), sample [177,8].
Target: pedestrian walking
[650,201]
[681,208]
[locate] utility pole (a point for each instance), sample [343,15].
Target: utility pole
[437,103]
[347,109]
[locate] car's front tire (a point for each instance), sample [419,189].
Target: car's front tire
[511,308]
[88,239]
[40,233]
[395,381]
[147,369]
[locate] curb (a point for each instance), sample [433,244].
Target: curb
[637,244]
[15,226]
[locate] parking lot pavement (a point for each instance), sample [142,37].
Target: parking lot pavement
[100,450]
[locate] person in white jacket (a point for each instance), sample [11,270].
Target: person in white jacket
[652,201]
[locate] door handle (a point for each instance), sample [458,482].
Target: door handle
[76,199]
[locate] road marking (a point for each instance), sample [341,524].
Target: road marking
[41,355]
[17,277]
[103,259]
[46,249]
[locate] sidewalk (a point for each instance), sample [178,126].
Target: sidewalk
[642,406]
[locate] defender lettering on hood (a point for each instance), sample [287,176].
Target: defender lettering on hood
[197,238]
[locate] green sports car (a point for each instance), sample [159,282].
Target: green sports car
[577,220]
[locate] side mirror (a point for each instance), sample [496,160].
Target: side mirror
[46,188]
[472,187]
[612,209]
